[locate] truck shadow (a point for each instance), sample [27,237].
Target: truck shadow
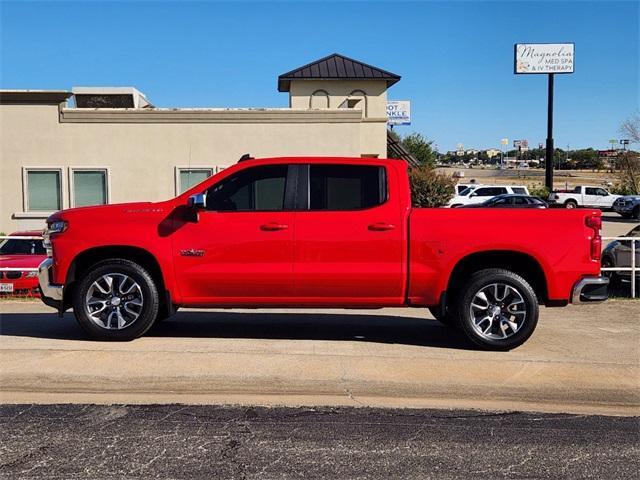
[630,221]
[357,327]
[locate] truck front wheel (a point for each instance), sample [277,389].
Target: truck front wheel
[116,299]
[497,309]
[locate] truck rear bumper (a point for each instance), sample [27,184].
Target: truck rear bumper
[590,290]
[50,294]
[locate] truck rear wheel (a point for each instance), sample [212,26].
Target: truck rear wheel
[497,309]
[116,299]
[570,204]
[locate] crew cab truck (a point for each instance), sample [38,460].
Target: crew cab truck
[318,232]
[584,196]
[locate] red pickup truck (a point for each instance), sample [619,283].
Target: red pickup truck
[318,232]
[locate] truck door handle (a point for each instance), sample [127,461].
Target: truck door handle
[273,227]
[381,227]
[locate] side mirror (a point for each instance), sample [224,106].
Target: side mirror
[473,194]
[198,201]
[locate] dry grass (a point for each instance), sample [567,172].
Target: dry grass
[562,178]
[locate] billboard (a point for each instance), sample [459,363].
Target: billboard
[399,112]
[543,58]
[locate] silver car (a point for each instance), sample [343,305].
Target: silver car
[618,254]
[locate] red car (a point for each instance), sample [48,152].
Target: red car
[21,253]
[319,232]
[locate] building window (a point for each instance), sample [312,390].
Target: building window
[43,190]
[358,99]
[88,187]
[189,177]
[319,99]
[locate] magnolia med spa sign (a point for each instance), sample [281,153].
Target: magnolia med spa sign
[399,112]
[544,58]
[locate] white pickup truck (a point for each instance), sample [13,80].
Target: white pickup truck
[584,196]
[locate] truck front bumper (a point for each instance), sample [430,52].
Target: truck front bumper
[51,295]
[623,209]
[590,290]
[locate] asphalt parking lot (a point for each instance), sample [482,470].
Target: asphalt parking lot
[177,441]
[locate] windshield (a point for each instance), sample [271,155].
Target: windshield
[466,191]
[11,246]
[634,233]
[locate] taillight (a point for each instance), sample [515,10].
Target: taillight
[594,222]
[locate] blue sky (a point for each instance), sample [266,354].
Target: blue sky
[455,58]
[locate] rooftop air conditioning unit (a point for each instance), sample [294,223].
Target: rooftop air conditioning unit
[109,97]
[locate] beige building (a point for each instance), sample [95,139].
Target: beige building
[63,149]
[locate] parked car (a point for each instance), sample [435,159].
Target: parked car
[618,254]
[584,196]
[510,200]
[628,206]
[318,232]
[21,254]
[482,193]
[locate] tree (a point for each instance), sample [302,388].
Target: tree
[420,148]
[628,163]
[628,166]
[585,158]
[630,128]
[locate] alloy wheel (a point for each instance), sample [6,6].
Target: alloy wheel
[498,311]
[114,301]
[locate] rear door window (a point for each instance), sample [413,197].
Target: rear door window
[346,187]
[519,190]
[490,191]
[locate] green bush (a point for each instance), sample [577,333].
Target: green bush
[622,189]
[430,188]
[539,190]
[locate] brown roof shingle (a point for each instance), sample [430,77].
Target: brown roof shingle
[336,67]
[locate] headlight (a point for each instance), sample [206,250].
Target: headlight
[57,227]
[31,274]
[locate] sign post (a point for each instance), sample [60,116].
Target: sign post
[504,142]
[545,58]
[548,163]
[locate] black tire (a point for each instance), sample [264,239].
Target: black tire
[447,319]
[486,279]
[570,204]
[636,213]
[614,279]
[147,290]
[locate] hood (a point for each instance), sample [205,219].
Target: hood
[116,210]
[21,261]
